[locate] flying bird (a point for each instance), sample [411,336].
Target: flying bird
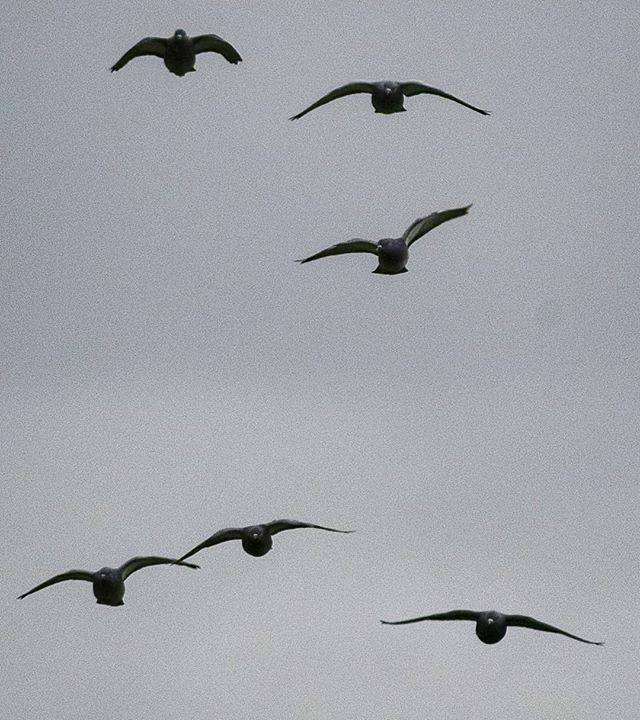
[393,253]
[179,51]
[108,583]
[491,626]
[256,539]
[387,96]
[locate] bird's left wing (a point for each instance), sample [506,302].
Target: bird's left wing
[137,563]
[350,246]
[277,526]
[529,622]
[422,226]
[451,615]
[147,46]
[213,43]
[416,88]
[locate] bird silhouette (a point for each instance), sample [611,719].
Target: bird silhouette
[387,96]
[491,626]
[256,539]
[108,583]
[392,253]
[179,51]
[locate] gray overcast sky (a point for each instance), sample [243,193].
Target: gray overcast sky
[168,370]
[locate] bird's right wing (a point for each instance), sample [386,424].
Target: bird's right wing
[451,615]
[350,246]
[350,89]
[422,226]
[217,538]
[147,46]
[71,575]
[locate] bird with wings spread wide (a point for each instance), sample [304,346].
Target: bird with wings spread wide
[387,96]
[108,583]
[491,626]
[392,253]
[256,539]
[179,51]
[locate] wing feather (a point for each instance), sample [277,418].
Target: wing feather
[70,575]
[451,615]
[213,43]
[349,89]
[423,225]
[356,245]
[415,88]
[529,622]
[139,562]
[276,526]
[147,46]
[217,538]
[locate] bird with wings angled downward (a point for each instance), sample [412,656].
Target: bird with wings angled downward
[392,253]
[491,626]
[108,583]
[387,96]
[179,51]
[256,539]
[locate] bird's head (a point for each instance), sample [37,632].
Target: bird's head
[179,34]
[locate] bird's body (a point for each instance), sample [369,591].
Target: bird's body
[491,626]
[179,51]
[108,583]
[392,253]
[387,96]
[256,539]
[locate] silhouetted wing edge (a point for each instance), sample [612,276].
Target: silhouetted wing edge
[350,246]
[213,43]
[70,575]
[533,624]
[423,225]
[451,615]
[349,89]
[139,562]
[415,88]
[276,526]
[147,46]
[217,538]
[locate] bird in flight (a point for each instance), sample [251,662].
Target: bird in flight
[256,539]
[108,583]
[491,626]
[179,51]
[392,253]
[387,96]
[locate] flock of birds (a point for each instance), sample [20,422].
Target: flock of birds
[178,53]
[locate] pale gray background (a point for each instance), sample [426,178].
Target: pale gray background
[167,369]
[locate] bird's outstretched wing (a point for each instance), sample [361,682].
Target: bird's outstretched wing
[70,575]
[350,89]
[529,622]
[350,246]
[451,615]
[276,526]
[416,88]
[213,43]
[217,538]
[422,226]
[147,46]
[137,563]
